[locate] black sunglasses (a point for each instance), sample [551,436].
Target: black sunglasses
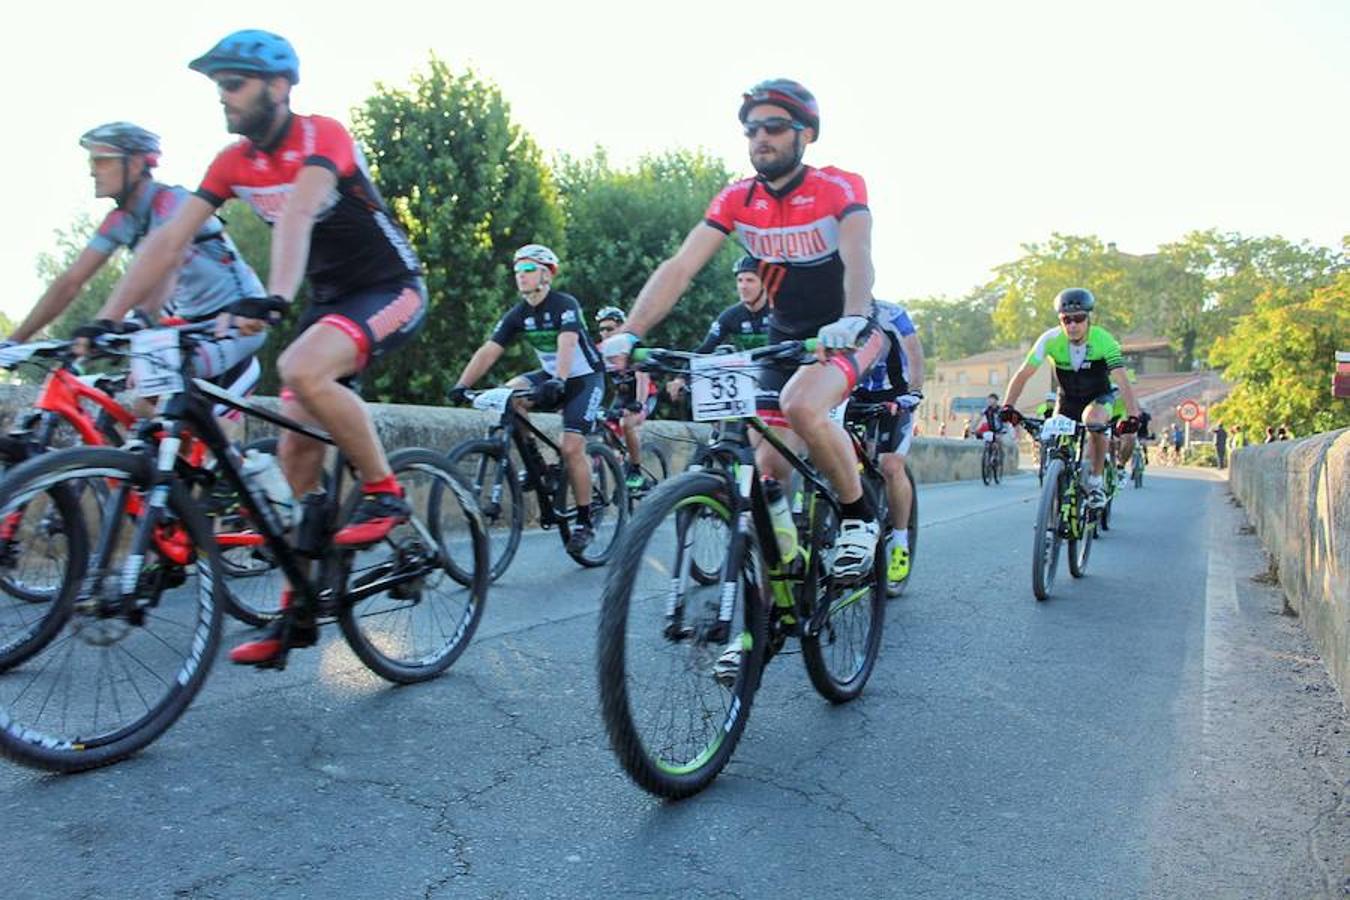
[1076,319]
[231,83]
[773,126]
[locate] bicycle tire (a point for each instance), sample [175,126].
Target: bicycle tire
[897,588]
[858,603]
[706,567]
[39,616]
[1080,544]
[609,506]
[985,465]
[996,467]
[490,473]
[1046,541]
[31,743]
[429,543]
[240,566]
[636,632]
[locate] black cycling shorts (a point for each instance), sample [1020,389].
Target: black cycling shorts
[853,363]
[378,319]
[1073,406]
[894,431]
[582,397]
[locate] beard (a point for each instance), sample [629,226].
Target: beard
[771,170]
[256,121]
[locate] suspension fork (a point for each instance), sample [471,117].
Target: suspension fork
[151,514]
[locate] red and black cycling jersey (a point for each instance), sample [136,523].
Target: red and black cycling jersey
[794,233]
[355,243]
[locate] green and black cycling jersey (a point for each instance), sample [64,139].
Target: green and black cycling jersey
[1083,370]
[739,327]
[541,325]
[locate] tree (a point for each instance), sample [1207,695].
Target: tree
[70,243]
[1280,358]
[469,187]
[952,329]
[621,224]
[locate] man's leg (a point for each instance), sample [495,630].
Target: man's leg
[806,402]
[1096,414]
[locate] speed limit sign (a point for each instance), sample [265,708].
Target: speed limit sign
[1188,410]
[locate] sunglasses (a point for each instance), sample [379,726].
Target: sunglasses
[1075,319]
[604,329]
[231,83]
[773,126]
[526,267]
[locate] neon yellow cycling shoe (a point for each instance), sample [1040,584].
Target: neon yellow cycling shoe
[897,567]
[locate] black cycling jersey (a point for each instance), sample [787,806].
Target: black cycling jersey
[739,327]
[541,325]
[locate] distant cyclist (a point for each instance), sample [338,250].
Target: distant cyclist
[634,398]
[1089,369]
[570,377]
[743,325]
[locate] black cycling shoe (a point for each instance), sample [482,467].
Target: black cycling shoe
[374,517]
[580,539]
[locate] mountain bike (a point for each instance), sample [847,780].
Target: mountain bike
[490,470]
[1138,463]
[864,419]
[1062,513]
[128,639]
[673,720]
[991,460]
[654,464]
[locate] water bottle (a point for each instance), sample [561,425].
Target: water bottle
[263,474]
[780,513]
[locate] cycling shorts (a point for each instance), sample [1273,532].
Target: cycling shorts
[378,319]
[894,431]
[582,396]
[1073,406]
[873,344]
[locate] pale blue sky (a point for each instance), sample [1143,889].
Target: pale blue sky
[977,125]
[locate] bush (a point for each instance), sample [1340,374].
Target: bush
[1200,455]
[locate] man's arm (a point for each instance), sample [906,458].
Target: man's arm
[914,353]
[59,294]
[671,279]
[567,348]
[290,239]
[855,249]
[1019,381]
[484,358]
[1122,381]
[158,256]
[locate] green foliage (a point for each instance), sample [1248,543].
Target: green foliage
[1280,358]
[469,187]
[951,329]
[70,243]
[621,224]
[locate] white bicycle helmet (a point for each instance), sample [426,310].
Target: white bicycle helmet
[537,253]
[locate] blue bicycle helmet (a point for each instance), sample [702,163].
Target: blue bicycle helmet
[250,50]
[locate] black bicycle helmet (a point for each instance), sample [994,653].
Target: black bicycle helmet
[745,264]
[1074,300]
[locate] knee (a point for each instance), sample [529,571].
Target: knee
[893,466]
[299,376]
[802,414]
[572,445]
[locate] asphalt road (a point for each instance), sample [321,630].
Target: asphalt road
[1155,729]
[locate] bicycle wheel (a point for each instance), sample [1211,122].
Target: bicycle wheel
[671,723]
[1137,472]
[420,623]
[45,544]
[654,468]
[996,466]
[1082,531]
[842,635]
[120,670]
[488,471]
[986,466]
[1046,545]
[707,533]
[609,506]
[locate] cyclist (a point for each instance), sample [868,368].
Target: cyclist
[1087,363]
[990,419]
[210,277]
[1124,452]
[743,325]
[896,378]
[809,230]
[570,374]
[635,411]
[1047,407]
[305,176]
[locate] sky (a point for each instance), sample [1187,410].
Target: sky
[978,126]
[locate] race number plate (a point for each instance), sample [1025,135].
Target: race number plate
[1058,426]
[12,356]
[156,363]
[723,387]
[494,400]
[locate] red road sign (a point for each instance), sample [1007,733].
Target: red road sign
[1189,410]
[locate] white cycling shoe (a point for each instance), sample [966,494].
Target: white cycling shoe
[854,547]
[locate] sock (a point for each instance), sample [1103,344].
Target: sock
[386,485]
[858,509]
[900,537]
[584,516]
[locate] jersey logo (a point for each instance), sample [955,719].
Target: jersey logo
[801,200]
[812,242]
[772,277]
[529,321]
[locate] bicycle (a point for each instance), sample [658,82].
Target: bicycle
[864,419]
[654,464]
[1062,513]
[487,466]
[991,460]
[59,418]
[1138,462]
[132,633]
[671,721]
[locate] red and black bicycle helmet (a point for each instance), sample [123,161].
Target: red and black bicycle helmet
[790,95]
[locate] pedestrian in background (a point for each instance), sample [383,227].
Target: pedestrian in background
[1221,446]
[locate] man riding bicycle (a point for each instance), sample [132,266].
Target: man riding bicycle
[211,275]
[1087,363]
[809,231]
[570,374]
[634,400]
[896,378]
[304,176]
